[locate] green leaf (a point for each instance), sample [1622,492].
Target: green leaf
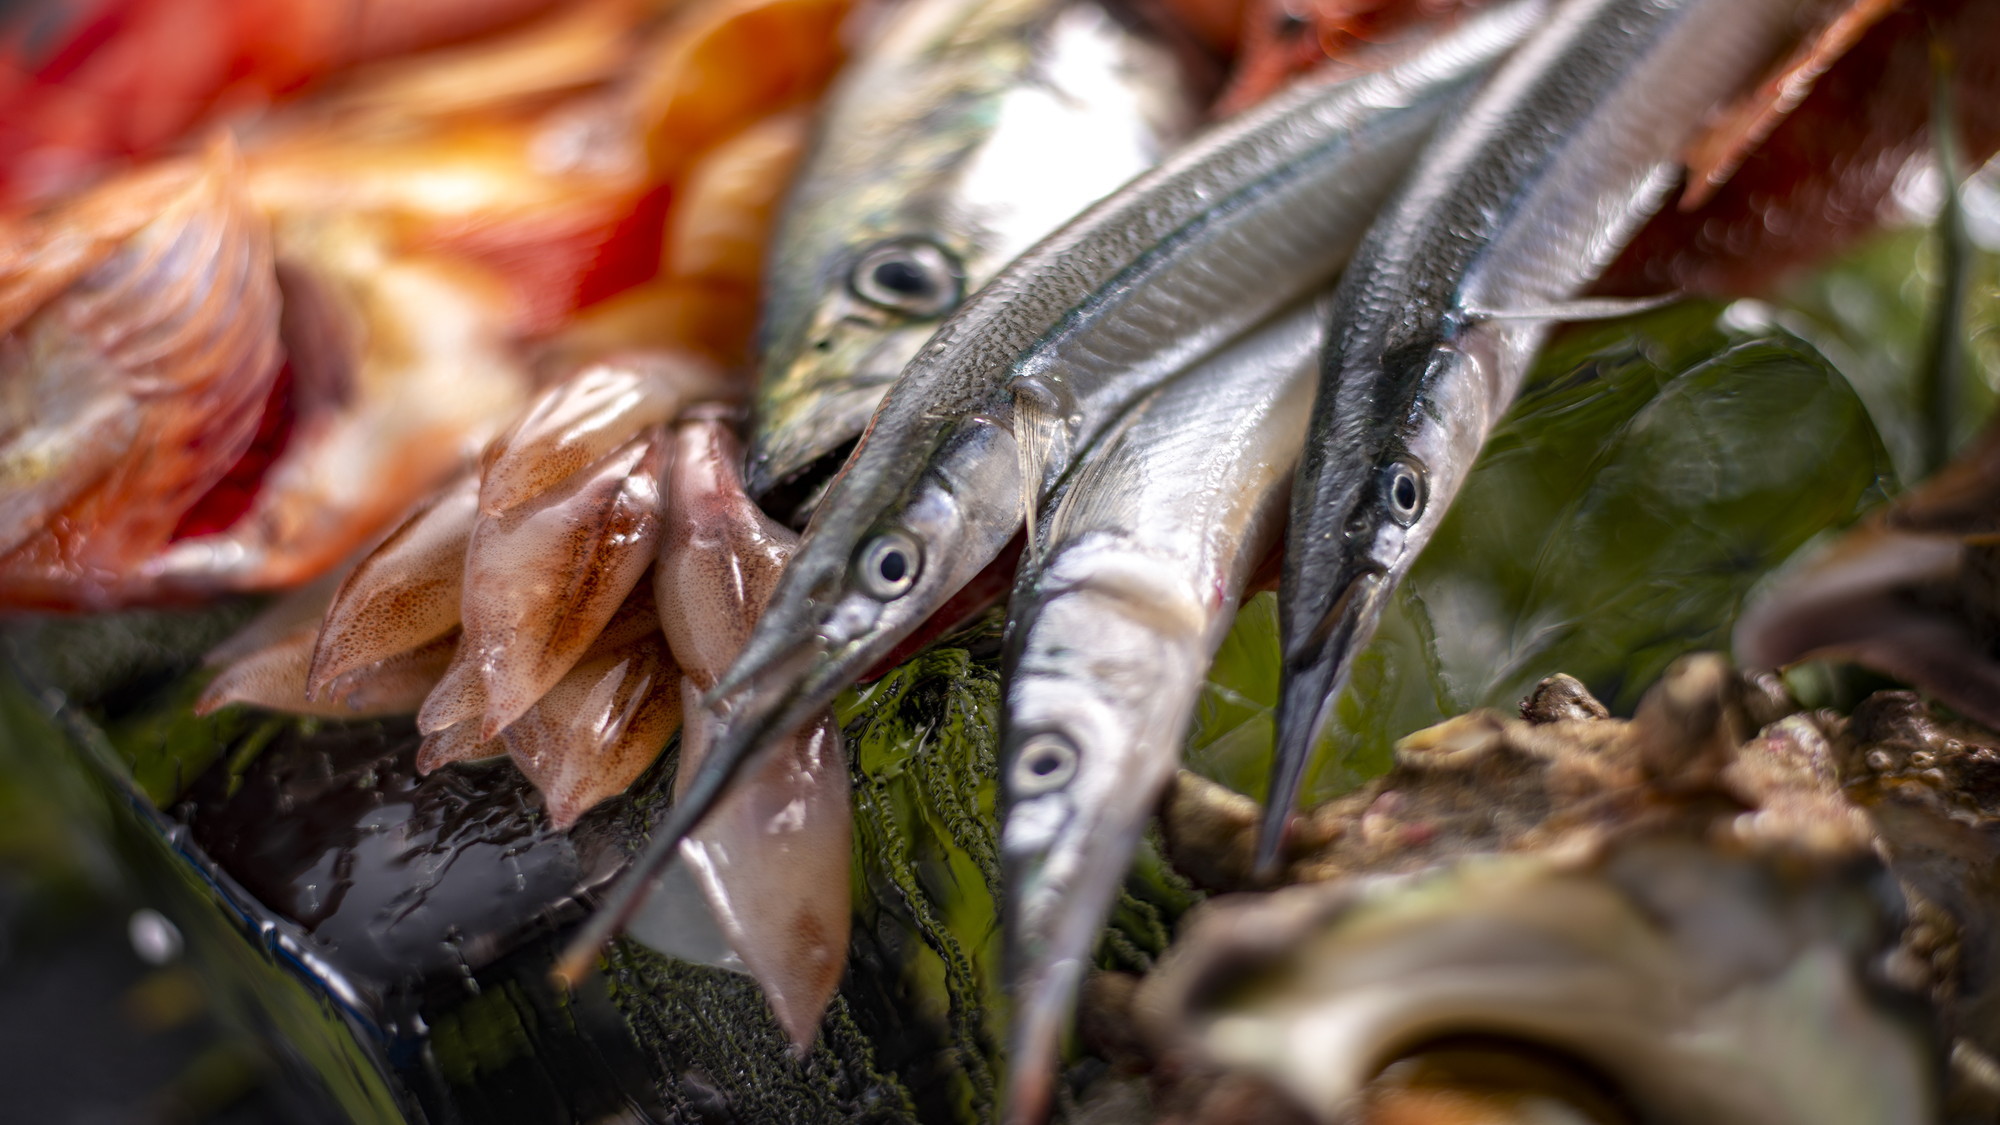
[923,742]
[1874,314]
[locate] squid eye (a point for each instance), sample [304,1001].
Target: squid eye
[909,276]
[1403,492]
[888,565]
[1045,763]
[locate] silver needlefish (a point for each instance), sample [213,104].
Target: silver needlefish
[1257,213]
[966,131]
[1144,554]
[1513,210]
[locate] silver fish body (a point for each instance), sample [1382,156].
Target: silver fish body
[1247,219]
[1513,210]
[1142,560]
[931,170]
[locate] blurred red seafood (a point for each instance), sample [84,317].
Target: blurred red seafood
[132,387]
[84,82]
[351,308]
[1810,162]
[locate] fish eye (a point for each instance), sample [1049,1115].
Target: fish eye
[1045,763]
[910,276]
[888,565]
[1403,490]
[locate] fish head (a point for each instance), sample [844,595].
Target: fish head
[1099,680]
[833,344]
[910,528]
[931,172]
[1406,430]
[907,527]
[1390,480]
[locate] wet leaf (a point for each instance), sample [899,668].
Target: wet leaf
[1873,313]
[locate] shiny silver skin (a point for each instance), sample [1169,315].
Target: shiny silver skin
[932,169]
[1141,561]
[1513,210]
[1256,213]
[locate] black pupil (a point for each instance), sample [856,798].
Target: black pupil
[894,566]
[1406,491]
[900,275]
[1046,763]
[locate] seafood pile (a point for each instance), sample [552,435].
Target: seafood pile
[454,351]
[1563,916]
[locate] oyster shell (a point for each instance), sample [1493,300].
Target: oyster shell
[1557,917]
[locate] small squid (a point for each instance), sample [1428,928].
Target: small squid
[597,727]
[772,860]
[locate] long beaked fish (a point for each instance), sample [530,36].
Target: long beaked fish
[929,172]
[1253,215]
[1513,210]
[1144,555]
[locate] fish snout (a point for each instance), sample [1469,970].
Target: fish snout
[1316,668]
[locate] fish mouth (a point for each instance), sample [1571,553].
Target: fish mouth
[777,677]
[792,498]
[1047,956]
[797,449]
[1311,677]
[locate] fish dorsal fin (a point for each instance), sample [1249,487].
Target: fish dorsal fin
[1580,308]
[1036,418]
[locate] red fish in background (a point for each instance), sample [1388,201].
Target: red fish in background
[87,82]
[418,245]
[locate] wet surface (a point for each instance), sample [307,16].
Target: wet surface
[387,938]
[397,878]
[149,1051]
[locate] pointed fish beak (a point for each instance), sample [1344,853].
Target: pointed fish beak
[1049,943]
[750,678]
[1042,1000]
[1061,881]
[1316,668]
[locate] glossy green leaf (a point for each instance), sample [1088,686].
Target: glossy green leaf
[1873,313]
